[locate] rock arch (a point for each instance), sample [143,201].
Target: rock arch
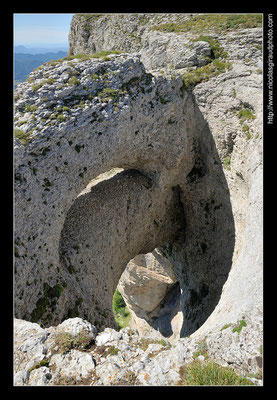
[106,227]
[173,184]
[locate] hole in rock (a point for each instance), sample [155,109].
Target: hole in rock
[173,247]
[119,215]
[151,294]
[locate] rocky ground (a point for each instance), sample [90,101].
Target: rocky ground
[73,353]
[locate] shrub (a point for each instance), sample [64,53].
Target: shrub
[90,16]
[66,341]
[114,351]
[73,81]
[144,343]
[105,53]
[122,315]
[50,81]
[200,373]
[201,74]
[36,86]
[227,163]
[29,108]
[61,117]
[22,136]
[239,326]
[202,350]
[245,115]
[225,327]
[245,128]
[107,94]
[118,302]
[215,46]
[42,363]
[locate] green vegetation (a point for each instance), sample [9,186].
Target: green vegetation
[73,81]
[202,350]
[122,315]
[113,351]
[61,117]
[217,50]
[218,23]
[66,341]
[29,108]
[215,66]
[48,81]
[144,343]
[42,363]
[238,327]
[90,16]
[101,54]
[209,373]
[245,115]
[245,128]
[107,93]
[22,136]
[36,86]
[225,327]
[227,163]
[202,74]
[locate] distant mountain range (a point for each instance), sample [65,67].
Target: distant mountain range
[25,63]
[46,48]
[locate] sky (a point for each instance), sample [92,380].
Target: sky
[41,29]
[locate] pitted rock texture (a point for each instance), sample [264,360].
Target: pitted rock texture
[133,33]
[52,357]
[189,188]
[65,243]
[231,103]
[61,158]
[90,33]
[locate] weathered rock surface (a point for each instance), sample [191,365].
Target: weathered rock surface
[50,175]
[125,357]
[145,282]
[166,149]
[90,33]
[189,189]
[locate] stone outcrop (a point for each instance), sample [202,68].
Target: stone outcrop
[54,357]
[159,136]
[185,206]
[64,154]
[144,284]
[91,33]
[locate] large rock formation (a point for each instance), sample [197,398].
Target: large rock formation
[188,195]
[70,249]
[79,133]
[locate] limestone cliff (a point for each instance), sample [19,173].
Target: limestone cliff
[179,111]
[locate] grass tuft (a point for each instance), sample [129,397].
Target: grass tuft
[209,373]
[218,23]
